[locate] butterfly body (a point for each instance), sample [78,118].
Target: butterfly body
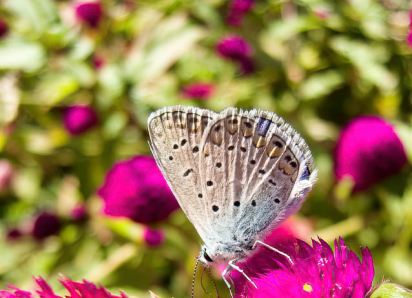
[236,174]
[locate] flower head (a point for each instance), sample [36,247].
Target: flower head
[45,225]
[198,90]
[238,50]
[6,173]
[314,271]
[83,289]
[368,150]
[98,61]
[14,234]
[290,230]
[89,13]
[153,237]
[410,29]
[246,65]
[233,47]
[410,38]
[238,8]
[3,28]
[78,119]
[136,189]
[78,213]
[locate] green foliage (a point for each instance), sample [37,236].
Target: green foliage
[315,72]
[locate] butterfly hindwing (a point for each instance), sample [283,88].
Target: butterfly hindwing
[252,161]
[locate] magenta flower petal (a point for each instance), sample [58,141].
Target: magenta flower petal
[6,174]
[410,29]
[98,61]
[247,66]
[45,290]
[45,225]
[136,189]
[316,272]
[78,213]
[17,293]
[89,13]
[79,119]
[368,150]
[238,8]
[4,29]
[233,47]
[14,234]
[153,237]
[83,289]
[201,91]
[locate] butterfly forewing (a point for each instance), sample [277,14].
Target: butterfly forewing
[176,134]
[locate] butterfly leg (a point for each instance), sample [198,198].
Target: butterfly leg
[274,249]
[231,264]
[228,284]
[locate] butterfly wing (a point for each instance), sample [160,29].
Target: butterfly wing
[236,174]
[257,171]
[176,133]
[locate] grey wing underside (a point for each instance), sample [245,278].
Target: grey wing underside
[235,174]
[261,170]
[176,135]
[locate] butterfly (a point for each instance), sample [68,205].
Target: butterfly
[236,175]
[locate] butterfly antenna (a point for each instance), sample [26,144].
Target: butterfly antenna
[213,281]
[201,282]
[194,277]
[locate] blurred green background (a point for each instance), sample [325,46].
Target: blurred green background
[318,64]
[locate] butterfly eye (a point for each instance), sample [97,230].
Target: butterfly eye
[207,257]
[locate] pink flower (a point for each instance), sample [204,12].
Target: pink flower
[153,237]
[315,272]
[4,29]
[198,90]
[78,119]
[246,65]
[136,189]
[78,213]
[322,12]
[98,61]
[410,29]
[6,174]
[233,47]
[238,8]
[89,13]
[237,50]
[410,38]
[14,234]
[45,225]
[368,150]
[83,289]
[290,230]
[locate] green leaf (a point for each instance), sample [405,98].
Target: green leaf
[9,98]
[35,15]
[22,55]
[282,30]
[390,290]
[56,87]
[321,84]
